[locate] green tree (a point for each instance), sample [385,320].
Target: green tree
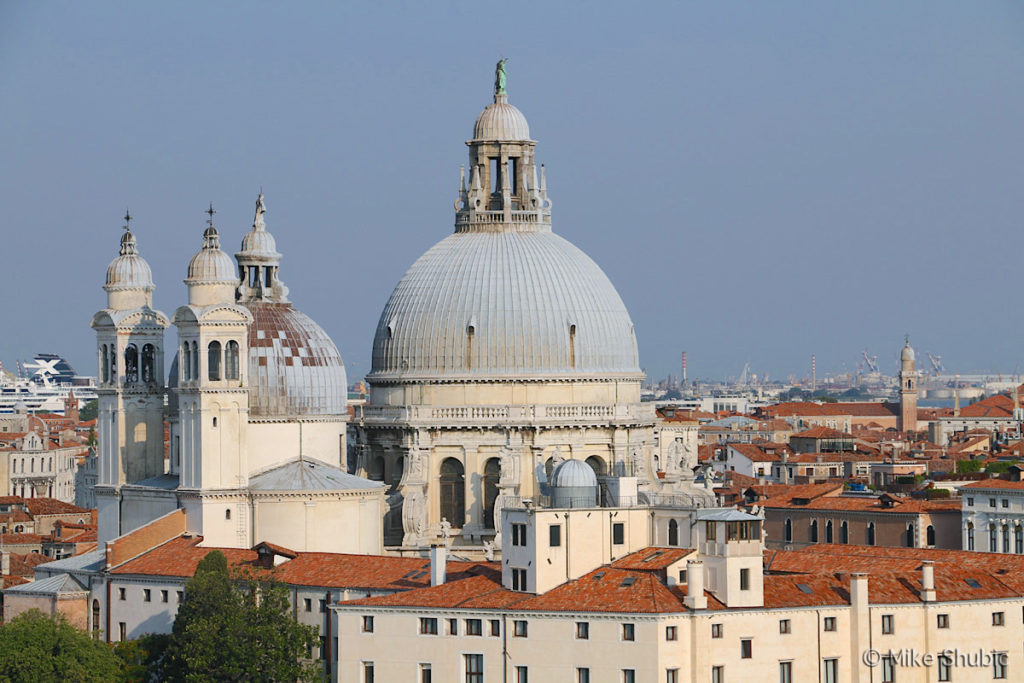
[36,647]
[89,411]
[236,628]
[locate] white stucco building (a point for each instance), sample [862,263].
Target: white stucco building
[257,401]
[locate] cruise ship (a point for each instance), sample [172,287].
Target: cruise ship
[43,385]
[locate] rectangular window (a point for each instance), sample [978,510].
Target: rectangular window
[122,593]
[718,674]
[945,665]
[784,626]
[582,675]
[323,605]
[998,618]
[426,674]
[428,626]
[367,672]
[746,648]
[628,676]
[308,604]
[147,595]
[164,595]
[671,633]
[367,623]
[1006,503]
[887,626]
[474,627]
[181,596]
[519,579]
[888,669]
[555,535]
[716,630]
[519,629]
[682,576]
[629,632]
[522,675]
[582,630]
[122,630]
[829,624]
[744,579]
[495,627]
[518,534]
[785,672]
[474,668]
[999,665]
[453,627]
[618,533]
[970,502]
[830,669]
[991,502]
[942,620]
[671,675]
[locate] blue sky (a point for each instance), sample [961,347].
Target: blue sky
[761,181]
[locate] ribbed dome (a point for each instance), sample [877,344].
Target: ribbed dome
[259,242]
[907,353]
[211,265]
[504,304]
[294,367]
[501,121]
[573,474]
[129,270]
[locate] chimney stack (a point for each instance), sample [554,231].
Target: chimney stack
[438,564]
[5,563]
[695,598]
[859,591]
[927,581]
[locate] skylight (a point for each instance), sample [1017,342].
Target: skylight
[804,587]
[628,581]
[973,583]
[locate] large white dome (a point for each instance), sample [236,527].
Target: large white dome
[504,304]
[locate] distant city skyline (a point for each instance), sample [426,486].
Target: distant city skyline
[760,182]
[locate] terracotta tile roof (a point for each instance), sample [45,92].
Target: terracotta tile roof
[802,492]
[999,405]
[755,452]
[651,559]
[52,506]
[810,409]
[1004,484]
[900,506]
[21,539]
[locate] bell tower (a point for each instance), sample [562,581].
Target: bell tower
[908,390]
[130,359]
[213,395]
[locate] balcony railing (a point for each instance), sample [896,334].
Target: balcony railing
[530,414]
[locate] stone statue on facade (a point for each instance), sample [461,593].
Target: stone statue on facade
[414,516]
[446,531]
[500,77]
[636,461]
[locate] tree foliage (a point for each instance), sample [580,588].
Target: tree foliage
[89,411]
[36,647]
[236,628]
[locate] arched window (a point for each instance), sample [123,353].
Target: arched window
[970,535]
[213,361]
[992,538]
[186,362]
[227,513]
[104,364]
[909,536]
[195,360]
[1018,539]
[871,533]
[131,364]
[470,333]
[789,530]
[844,532]
[148,363]
[375,472]
[492,473]
[930,535]
[828,531]
[96,619]
[572,346]
[597,464]
[1006,538]
[673,532]
[453,492]
[231,360]
[113,364]
[813,531]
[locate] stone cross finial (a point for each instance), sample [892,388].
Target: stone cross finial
[127,221]
[210,212]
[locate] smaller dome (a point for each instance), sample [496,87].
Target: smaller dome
[907,353]
[501,121]
[259,242]
[573,474]
[211,264]
[129,270]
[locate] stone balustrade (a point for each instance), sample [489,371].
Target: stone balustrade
[482,416]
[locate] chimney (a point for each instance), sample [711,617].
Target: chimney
[438,564]
[927,581]
[5,563]
[695,598]
[859,591]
